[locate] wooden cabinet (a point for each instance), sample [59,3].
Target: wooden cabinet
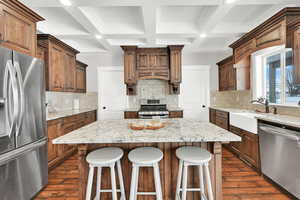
[41,52]
[54,131]
[58,127]
[176,114]
[222,119]
[152,63]
[248,148]
[131,115]
[60,64]
[227,75]
[18,27]
[70,71]
[130,73]
[175,68]
[296,55]
[80,77]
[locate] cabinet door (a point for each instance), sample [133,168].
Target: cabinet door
[175,66]
[53,132]
[80,79]
[236,146]
[297,56]
[130,67]
[250,148]
[17,32]
[69,66]
[56,69]
[212,116]
[41,52]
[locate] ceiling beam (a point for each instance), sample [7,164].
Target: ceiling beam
[79,16]
[149,16]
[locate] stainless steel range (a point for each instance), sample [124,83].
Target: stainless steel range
[153,108]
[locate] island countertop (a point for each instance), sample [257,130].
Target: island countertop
[176,130]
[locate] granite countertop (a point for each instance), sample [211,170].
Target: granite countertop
[60,114]
[280,119]
[176,130]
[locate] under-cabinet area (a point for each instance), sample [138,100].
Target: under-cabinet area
[59,127]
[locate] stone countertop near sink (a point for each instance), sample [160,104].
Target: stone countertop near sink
[176,130]
[67,113]
[280,119]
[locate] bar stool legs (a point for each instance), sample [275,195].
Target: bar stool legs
[157,182]
[105,157]
[193,156]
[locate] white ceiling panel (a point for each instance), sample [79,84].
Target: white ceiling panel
[84,44]
[116,20]
[58,21]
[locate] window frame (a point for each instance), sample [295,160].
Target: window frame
[259,60]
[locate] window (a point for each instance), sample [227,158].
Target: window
[275,77]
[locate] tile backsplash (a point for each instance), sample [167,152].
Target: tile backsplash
[63,101]
[241,99]
[152,89]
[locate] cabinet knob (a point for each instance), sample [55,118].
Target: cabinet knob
[203,106]
[103,107]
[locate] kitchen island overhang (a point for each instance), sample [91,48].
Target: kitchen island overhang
[178,132]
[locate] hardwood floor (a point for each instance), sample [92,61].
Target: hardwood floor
[240,182]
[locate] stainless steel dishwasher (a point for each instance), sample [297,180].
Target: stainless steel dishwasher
[280,155]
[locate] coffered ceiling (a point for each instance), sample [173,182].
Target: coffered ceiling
[201,25]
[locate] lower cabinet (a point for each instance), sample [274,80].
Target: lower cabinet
[57,153]
[131,115]
[176,114]
[248,148]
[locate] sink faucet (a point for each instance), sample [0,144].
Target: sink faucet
[264,102]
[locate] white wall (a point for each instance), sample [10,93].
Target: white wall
[116,59]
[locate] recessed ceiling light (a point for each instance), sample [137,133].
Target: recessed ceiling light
[203,35]
[230,1]
[66,2]
[98,36]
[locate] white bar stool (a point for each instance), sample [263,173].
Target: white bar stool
[145,157]
[193,156]
[105,157]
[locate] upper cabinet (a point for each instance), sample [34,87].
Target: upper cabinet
[175,68]
[152,63]
[18,27]
[227,74]
[60,63]
[80,77]
[280,29]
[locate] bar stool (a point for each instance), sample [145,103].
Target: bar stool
[193,156]
[105,157]
[145,157]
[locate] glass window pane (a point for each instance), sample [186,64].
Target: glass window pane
[292,86]
[273,78]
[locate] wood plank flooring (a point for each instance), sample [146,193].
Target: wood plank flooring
[240,182]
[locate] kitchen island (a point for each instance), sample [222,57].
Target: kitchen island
[176,133]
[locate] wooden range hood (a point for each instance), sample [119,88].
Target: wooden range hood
[152,63]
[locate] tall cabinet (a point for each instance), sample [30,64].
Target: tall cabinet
[18,27]
[60,63]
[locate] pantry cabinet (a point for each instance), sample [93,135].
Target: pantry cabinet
[18,27]
[60,64]
[58,127]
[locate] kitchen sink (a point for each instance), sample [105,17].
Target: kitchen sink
[244,120]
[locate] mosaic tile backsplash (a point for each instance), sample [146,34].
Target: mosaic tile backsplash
[64,101]
[153,89]
[241,99]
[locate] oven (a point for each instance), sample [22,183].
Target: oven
[153,109]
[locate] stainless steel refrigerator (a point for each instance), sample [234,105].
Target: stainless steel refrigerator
[23,140]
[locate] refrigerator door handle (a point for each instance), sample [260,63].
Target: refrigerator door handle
[22,97]
[10,81]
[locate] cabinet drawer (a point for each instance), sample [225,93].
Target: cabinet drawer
[221,114]
[69,127]
[222,122]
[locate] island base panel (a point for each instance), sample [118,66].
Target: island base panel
[168,169]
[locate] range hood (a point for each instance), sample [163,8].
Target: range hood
[152,63]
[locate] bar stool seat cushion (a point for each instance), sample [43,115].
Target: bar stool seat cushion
[145,155]
[105,155]
[193,154]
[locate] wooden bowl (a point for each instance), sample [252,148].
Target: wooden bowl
[136,127]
